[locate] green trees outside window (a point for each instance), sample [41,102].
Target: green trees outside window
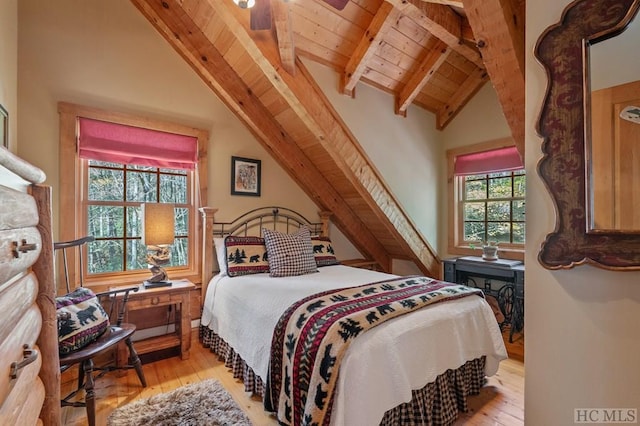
[115,193]
[493,207]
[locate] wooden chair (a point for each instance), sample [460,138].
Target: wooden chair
[114,302]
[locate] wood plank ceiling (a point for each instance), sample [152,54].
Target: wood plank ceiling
[422,52]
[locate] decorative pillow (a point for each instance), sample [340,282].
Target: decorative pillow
[323,251]
[289,254]
[81,320]
[245,255]
[221,255]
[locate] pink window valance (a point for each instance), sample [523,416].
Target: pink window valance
[495,160]
[119,143]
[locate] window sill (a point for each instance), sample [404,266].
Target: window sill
[506,253]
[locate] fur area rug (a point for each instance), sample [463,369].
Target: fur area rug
[197,404]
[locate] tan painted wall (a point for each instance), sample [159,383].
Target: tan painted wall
[581,325]
[480,120]
[9,65]
[106,55]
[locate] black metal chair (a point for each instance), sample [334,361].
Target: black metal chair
[114,302]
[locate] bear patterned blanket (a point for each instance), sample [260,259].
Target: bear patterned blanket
[313,335]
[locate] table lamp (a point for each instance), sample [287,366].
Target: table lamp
[158,234]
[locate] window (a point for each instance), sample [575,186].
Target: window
[493,207]
[487,187]
[115,193]
[101,195]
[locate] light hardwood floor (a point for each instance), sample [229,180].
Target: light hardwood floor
[501,401]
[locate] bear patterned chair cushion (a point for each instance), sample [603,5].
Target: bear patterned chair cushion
[81,320]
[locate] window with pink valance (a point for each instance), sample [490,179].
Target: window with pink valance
[495,160]
[118,143]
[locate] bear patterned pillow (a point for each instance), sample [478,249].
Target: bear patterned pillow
[289,254]
[323,251]
[245,255]
[81,320]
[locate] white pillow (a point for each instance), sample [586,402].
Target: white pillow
[221,255]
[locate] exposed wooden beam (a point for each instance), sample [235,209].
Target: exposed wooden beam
[260,15]
[465,92]
[350,157]
[226,31]
[178,27]
[421,75]
[384,19]
[312,107]
[498,26]
[282,19]
[467,32]
[456,3]
[442,22]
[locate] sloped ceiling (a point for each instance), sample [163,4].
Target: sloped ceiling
[424,53]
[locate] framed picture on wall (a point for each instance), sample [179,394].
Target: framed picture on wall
[245,176]
[4,127]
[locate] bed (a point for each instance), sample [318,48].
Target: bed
[416,368]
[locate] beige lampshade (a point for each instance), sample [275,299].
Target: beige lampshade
[158,224]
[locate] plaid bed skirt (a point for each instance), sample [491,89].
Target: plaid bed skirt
[437,403]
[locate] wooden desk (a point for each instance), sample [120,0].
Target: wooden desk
[178,295]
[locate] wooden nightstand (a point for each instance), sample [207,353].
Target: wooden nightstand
[178,295]
[361,263]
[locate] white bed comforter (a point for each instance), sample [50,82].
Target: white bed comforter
[384,364]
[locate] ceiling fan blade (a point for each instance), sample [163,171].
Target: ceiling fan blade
[338,4]
[261,15]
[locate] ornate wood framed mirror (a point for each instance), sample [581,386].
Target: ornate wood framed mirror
[565,125]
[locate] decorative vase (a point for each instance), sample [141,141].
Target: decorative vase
[490,252]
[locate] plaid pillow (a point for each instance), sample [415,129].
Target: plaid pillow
[323,251]
[245,255]
[81,320]
[289,254]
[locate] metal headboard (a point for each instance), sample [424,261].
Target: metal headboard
[250,224]
[277,218]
